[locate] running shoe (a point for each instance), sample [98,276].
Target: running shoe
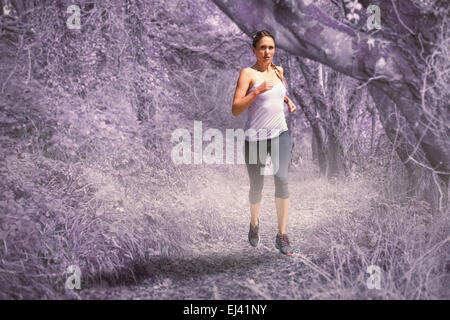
[282,244]
[253,234]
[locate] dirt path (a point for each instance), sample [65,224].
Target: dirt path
[232,269]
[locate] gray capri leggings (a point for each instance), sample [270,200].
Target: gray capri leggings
[281,173]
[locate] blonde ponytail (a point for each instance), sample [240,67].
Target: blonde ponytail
[278,73]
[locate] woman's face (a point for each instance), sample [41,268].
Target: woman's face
[265,49]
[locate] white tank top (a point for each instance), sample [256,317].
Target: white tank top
[266,113]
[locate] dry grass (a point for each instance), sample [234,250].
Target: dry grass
[105,203]
[338,228]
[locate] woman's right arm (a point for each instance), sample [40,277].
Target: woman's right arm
[241,101]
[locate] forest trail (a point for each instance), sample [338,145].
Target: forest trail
[231,268]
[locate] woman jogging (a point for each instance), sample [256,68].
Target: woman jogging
[262,89]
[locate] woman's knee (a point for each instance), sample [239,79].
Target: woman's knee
[254,196]
[282,191]
[282,176]
[256,185]
[281,186]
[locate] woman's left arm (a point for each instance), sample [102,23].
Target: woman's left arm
[289,102]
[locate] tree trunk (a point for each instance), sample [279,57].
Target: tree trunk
[314,147]
[317,130]
[421,182]
[333,155]
[328,141]
[143,104]
[372,128]
[321,149]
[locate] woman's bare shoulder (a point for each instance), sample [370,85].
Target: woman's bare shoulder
[248,70]
[248,73]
